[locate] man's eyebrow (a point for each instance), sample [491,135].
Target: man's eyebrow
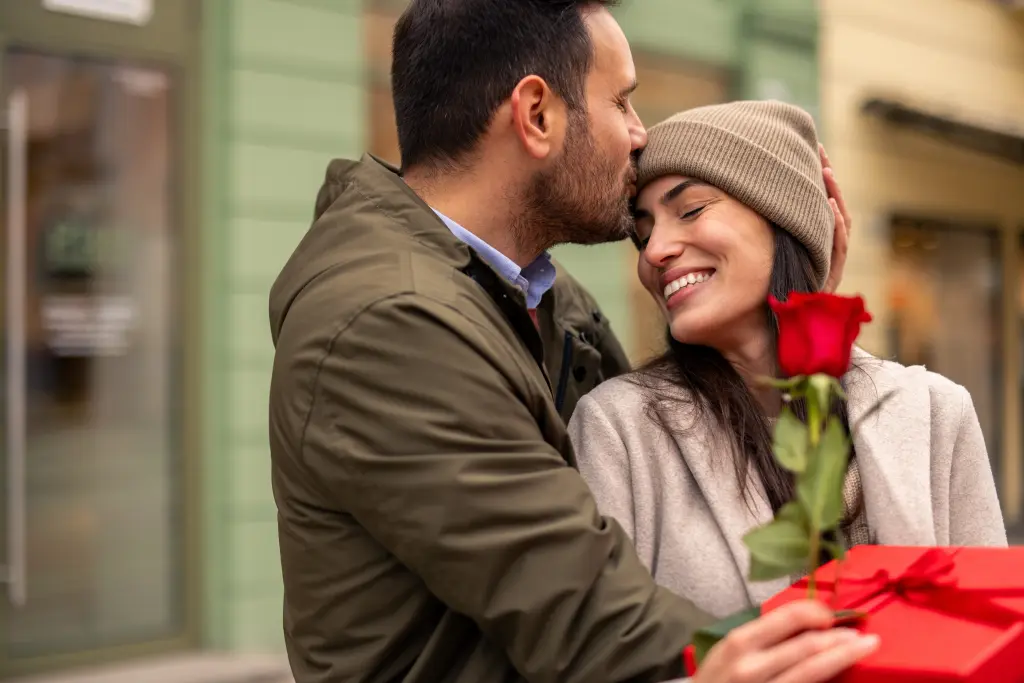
[628,90]
[681,188]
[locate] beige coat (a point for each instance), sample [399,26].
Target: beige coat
[923,463]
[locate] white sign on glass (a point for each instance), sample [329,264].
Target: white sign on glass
[137,12]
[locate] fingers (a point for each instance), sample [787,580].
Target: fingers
[779,625]
[823,155]
[835,194]
[776,662]
[793,644]
[832,186]
[841,241]
[829,660]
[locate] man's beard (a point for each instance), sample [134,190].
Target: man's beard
[583,199]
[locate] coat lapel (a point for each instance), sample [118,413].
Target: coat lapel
[893,450]
[709,459]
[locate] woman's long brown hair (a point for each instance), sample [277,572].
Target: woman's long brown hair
[720,393]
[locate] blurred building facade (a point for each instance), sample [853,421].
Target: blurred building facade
[922,110]
[161,161]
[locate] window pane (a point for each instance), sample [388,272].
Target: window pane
[944,296]
[93,298]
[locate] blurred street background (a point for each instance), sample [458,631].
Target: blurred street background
[161,159]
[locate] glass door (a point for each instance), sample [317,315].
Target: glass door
[91,544]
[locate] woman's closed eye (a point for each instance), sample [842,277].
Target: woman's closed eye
[690,215]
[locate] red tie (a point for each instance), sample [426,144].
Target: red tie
[533,314]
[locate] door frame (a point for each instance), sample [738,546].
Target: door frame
[27,25]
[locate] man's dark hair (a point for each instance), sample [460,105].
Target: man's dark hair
[455,61]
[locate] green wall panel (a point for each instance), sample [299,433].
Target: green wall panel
[782,71]
[256,556]
[704,30]
[250,312]
[249,387]
[325,110]
[296,36]
[249,463]
[257,619]
[261,247]
[285,95]
[277,175]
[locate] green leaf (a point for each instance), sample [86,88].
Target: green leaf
[792,512]
[762,571]
[820,488]
[791,442]
[707,637]
[778,548]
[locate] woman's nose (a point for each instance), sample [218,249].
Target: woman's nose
[662,249]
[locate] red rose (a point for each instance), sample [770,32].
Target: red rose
[817,331]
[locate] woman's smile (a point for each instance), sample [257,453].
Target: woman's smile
[684,285]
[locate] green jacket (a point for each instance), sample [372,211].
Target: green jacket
[432,526]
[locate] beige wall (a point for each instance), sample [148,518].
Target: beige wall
[961,56]
[964,58]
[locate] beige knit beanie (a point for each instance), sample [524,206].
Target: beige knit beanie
[763,153]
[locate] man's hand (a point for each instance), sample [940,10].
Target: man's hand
[841,243]
[792,644]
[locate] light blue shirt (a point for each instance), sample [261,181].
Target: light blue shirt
[534,280]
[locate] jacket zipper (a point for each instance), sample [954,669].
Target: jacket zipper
[563,375]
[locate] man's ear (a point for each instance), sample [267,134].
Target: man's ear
[538,117]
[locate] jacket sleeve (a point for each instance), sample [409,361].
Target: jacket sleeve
[975,518]
[421,430]
[603,462]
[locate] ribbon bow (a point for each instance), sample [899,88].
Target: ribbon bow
[929,583]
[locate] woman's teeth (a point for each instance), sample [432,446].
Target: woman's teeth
[688,280]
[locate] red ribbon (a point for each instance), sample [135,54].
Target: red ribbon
[929,583]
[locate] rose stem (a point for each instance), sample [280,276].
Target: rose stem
[814,430]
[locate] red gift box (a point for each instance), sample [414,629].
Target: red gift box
[942,614]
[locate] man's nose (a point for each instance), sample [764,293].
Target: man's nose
[638,134]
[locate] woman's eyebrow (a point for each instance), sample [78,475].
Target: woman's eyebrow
[672,194]
[681,188]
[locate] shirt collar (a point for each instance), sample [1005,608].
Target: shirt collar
[534,280]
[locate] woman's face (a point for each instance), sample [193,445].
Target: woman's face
[706,259]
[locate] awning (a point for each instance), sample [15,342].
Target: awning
[1002,143]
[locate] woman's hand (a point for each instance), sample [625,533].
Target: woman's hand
[841,243]
[793,644]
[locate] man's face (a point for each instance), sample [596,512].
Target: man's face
[584,197]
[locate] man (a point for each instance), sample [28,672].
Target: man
[432,525]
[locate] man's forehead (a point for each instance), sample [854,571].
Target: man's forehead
[612,54]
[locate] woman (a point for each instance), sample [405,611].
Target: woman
[731,206]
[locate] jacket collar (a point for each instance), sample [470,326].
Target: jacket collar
[380,184]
